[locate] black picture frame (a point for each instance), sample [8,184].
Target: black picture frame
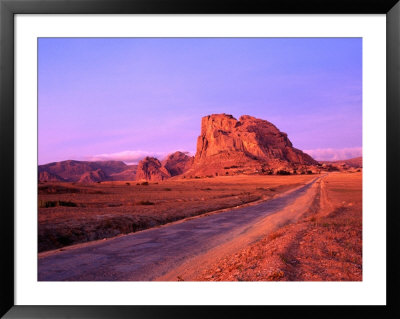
[8,8]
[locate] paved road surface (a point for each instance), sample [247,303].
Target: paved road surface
[150,254]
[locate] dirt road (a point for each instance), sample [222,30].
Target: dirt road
[177,251]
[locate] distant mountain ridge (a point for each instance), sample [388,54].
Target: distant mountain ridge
[150,168]
[226,146]
[86,172]
[355,162]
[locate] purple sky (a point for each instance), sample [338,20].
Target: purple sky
[127,98]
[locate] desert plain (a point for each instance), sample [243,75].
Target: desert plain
[248,206]
[107,209]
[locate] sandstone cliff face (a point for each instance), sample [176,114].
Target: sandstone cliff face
[150,169]
[177,163]
[248,143]
[225,146]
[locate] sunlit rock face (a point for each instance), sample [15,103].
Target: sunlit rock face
[151,169]
[247,143]
[177,163]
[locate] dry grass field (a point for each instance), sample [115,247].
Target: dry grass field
[325,245]
[70,213]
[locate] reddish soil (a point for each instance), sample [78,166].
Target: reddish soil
[77,213]
[173,251]
[325,245]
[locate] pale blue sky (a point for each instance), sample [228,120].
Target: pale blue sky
[127,98]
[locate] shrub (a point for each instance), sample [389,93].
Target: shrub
[145,202]
[145,183]
[115,205]
[276,275]
[128,184]
[332,168]
[309,172]
[69,204]
[53,203]
[282,172]
[284,258]
[47,204]
[168,189]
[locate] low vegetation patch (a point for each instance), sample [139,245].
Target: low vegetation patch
[233,166]
[282,172]
[58,189]
[55,203]
[277,275]
[284,258]
[115,205]
[145,202]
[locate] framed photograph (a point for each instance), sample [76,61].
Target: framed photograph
[165,159]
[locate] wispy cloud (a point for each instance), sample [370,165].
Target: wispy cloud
[334,154]
[129,157]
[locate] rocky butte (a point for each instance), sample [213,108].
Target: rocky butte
[177,163]
[151,169]
[248,145]
[226,146]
